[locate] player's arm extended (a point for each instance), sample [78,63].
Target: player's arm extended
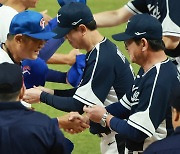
[112,18]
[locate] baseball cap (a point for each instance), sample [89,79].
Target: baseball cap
[75,73]
[10,78]
[175,97]
[141,26]
[30,23]
[34,72]
[63,2]
[71,15]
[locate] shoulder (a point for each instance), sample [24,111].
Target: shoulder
[170,143]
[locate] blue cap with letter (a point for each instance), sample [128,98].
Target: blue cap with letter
[141,26]
[30,23]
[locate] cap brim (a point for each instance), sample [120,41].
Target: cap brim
[43,35]
[121,37]
[61,32]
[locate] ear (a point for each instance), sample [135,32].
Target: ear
[82,28]
[22,91]
[144,44]
[18,38]
[176,115]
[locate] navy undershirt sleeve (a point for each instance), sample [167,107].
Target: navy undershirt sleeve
[126,131]
[65,93]
[56,76]
[118,110]
[66,104]
[50,48]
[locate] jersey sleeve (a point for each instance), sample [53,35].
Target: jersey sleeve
[171,22]
[137,6]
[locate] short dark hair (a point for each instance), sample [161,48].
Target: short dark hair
[155,45]
[10,36]
[8,97]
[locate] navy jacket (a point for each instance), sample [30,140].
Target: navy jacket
[23,131]
[169,145]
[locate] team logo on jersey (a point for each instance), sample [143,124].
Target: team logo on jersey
[42,23]
[134,97]
[26,69]
[154,10]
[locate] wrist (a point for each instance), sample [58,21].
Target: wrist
[103,119]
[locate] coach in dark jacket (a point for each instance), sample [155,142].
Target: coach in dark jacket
[170,145]
[23,130]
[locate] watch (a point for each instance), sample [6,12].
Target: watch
[103,120]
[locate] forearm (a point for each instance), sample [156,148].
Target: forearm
[171,42]
[66,104]
[58,58]
[50,48]
[112,18]
[125,130]
[118,110]
[65,93]
[56,76]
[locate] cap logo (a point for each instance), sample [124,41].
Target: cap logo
[76,22]
[42,23]
[58,18]
[138,33]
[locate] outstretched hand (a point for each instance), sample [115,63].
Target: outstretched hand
[32,95]
[73,122]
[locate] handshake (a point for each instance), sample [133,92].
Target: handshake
[73,122]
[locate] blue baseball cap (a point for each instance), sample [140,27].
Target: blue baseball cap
[63,2]
[30,23]
[141,26]
[71,15]
[75,73]
[34,72]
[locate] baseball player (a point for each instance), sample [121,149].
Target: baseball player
[24,41]
[146,105]
[36,72]
[166,11]
[107,74]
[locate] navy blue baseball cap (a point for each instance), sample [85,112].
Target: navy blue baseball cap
[30,23]
[141,26]
[71,15]
[11,79]
[63,2]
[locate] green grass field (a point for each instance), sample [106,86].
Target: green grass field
[85,143]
